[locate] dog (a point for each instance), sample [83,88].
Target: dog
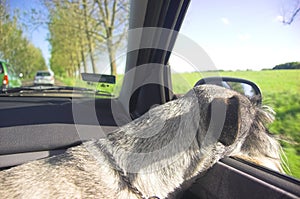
[155,155]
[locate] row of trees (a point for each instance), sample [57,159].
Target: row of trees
[289,65]
[15,47]
[83,31]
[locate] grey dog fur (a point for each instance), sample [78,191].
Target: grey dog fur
[156,153]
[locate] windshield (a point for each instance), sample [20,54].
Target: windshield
[63,40]
[255,40]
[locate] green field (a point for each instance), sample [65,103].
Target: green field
[281,90]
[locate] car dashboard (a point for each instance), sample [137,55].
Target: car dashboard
[38,127]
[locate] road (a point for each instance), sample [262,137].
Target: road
[30,83]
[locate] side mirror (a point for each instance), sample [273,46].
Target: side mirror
[243,86]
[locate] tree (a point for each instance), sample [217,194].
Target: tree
[289,65]
[64,39]
[91,26]
[113,18]
[87,28]
[15,48]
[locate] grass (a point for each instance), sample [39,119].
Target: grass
[281,91]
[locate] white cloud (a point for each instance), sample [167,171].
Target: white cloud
[244,36]
[279,18]
[225,20]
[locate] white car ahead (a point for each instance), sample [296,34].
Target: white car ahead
[44,77]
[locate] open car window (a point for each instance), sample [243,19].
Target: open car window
[229,42]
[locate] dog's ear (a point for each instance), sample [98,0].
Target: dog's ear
[231,125]
[223,115]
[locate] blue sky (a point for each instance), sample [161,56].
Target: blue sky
[244,34]
[38,36]
[235,34]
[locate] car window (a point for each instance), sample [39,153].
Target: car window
[253,41]
[97,45]
[1,68]
[43,74]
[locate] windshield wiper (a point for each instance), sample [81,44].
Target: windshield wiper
[60,89]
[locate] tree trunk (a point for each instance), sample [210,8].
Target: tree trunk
[90,45]
[83,56]
[91,52]
[83,61]
[112,58]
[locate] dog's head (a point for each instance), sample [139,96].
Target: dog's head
[236,125]
[225,116]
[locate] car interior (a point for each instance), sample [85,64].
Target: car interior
[35,127]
